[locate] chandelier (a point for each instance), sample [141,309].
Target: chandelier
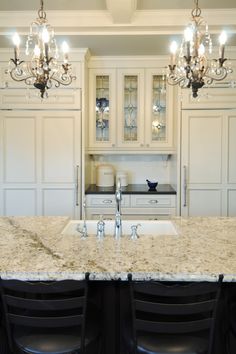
[189,65]
[42,70]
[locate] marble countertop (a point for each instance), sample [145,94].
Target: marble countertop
[33,248]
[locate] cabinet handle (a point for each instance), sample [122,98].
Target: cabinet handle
[185,185]
[153,201]
[107,201]
[77,186]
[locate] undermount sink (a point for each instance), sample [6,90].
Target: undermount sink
[146,227]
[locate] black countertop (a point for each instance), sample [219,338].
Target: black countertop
[132,189]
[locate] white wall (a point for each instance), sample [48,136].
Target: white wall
[138,167]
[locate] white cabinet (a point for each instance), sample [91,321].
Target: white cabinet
[131,110]
[208,167]
[102,109]
[40,162]
[134,206]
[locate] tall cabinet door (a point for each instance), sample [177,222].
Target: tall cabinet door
[40,163]
[208,165]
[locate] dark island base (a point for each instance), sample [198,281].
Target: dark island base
[113,299]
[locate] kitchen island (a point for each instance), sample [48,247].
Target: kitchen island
[33,248]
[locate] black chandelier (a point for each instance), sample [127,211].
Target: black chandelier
[190,67]
[42,70]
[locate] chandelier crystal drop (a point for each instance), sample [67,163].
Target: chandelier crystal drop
[190,64]
[42,70]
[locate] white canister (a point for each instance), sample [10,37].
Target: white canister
[123,176]
[105,176]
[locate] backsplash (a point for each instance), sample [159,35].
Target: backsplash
[138,167]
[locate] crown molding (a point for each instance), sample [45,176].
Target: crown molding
[101,22]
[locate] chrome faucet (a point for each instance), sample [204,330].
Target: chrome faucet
[118,221]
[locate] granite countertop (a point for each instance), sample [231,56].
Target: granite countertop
[34,248]
[132,189]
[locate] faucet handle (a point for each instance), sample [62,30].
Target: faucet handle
[134,235]
[101,227]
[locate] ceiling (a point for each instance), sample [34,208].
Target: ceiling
[111,27]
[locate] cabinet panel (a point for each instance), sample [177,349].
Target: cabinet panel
[58,201]
[231,202]
[20,202]
[58,155]
[232,149]
[41,151]
[152,201]
[208,168]
[205,202]
[105,201]
[19,142]
[29,99]
[209,98]
[205,148]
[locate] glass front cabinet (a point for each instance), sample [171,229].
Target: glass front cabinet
[130,110]
[102,109]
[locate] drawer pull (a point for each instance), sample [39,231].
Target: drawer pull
[153,201]
[107,201]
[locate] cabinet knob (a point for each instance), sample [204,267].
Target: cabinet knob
[147,145]
[113,145]
[141,145]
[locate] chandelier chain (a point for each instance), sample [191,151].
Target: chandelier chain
[41,12]
[196,12]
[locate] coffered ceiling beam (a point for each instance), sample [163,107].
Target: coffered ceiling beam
[121,11]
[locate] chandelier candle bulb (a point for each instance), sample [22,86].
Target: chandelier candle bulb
[222,40]
[65,50]
[173,50]
[16,42]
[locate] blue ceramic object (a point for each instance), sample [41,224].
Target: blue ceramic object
[152,185]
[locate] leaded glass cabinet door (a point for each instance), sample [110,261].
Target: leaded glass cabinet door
[102,108]
[130,108]
[159,111]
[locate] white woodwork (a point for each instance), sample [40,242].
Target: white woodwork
[58,202]
[19,148]
[18,202]
[153,201]
[117,71]
[122,10]
[204,202]
[59,135]
[231,202]
[204,150]
[93,143]
[121,143]
[28,98]
[105,200]
[216,97]
[232,149]
[147,125]
[135,207]
[208,171]
[41,150]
